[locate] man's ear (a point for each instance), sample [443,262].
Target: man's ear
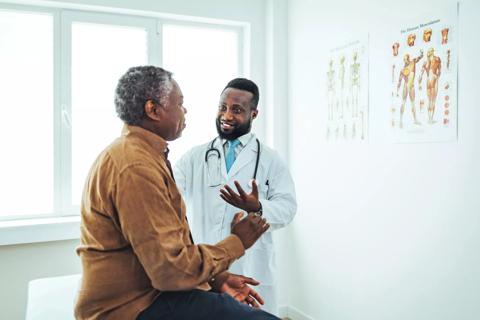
[254,113]
[152,110]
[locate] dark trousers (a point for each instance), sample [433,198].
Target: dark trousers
[200,305]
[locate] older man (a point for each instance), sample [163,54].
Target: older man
[138,258]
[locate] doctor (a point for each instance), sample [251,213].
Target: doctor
[235,171]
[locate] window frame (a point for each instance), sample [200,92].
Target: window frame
[64,181]
[55,14]
[63,17]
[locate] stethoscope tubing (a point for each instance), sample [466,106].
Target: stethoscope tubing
[215,150]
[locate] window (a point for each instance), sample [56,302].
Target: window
[95,72]
[26,103]
[59,72]
[203,61]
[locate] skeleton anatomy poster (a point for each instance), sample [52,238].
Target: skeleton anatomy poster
[424,80]
[347,92]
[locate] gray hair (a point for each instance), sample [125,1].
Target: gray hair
[136,87]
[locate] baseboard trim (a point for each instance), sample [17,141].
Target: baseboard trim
[293,313]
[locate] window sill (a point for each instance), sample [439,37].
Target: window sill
[39,230]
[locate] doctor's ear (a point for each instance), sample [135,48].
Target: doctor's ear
[254,114]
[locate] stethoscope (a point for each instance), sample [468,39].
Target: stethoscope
[215,150]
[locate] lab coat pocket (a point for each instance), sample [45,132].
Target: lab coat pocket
[263,188]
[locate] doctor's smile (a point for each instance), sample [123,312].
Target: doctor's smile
[227,126]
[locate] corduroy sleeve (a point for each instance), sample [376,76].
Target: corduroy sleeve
[158,234]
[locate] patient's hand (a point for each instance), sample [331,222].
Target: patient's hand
[238,287]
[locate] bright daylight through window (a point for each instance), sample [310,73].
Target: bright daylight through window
[58,74]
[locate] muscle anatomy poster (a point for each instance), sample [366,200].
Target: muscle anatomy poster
[424,80]
[347,92]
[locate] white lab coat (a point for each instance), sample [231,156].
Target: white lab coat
[210,216]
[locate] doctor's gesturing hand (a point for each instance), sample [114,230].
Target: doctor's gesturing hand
[242,200]
[248,229]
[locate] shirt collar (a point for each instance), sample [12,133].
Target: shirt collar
[152,139]
[243,139]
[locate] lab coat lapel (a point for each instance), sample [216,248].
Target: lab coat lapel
[247,155]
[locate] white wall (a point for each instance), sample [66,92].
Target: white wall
[21,263]
[384,231]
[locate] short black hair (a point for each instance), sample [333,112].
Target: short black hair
[246,85]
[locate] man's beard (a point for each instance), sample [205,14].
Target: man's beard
[238,131]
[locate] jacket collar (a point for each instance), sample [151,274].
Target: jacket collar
[153,140]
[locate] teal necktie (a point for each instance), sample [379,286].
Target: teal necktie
[230,157]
